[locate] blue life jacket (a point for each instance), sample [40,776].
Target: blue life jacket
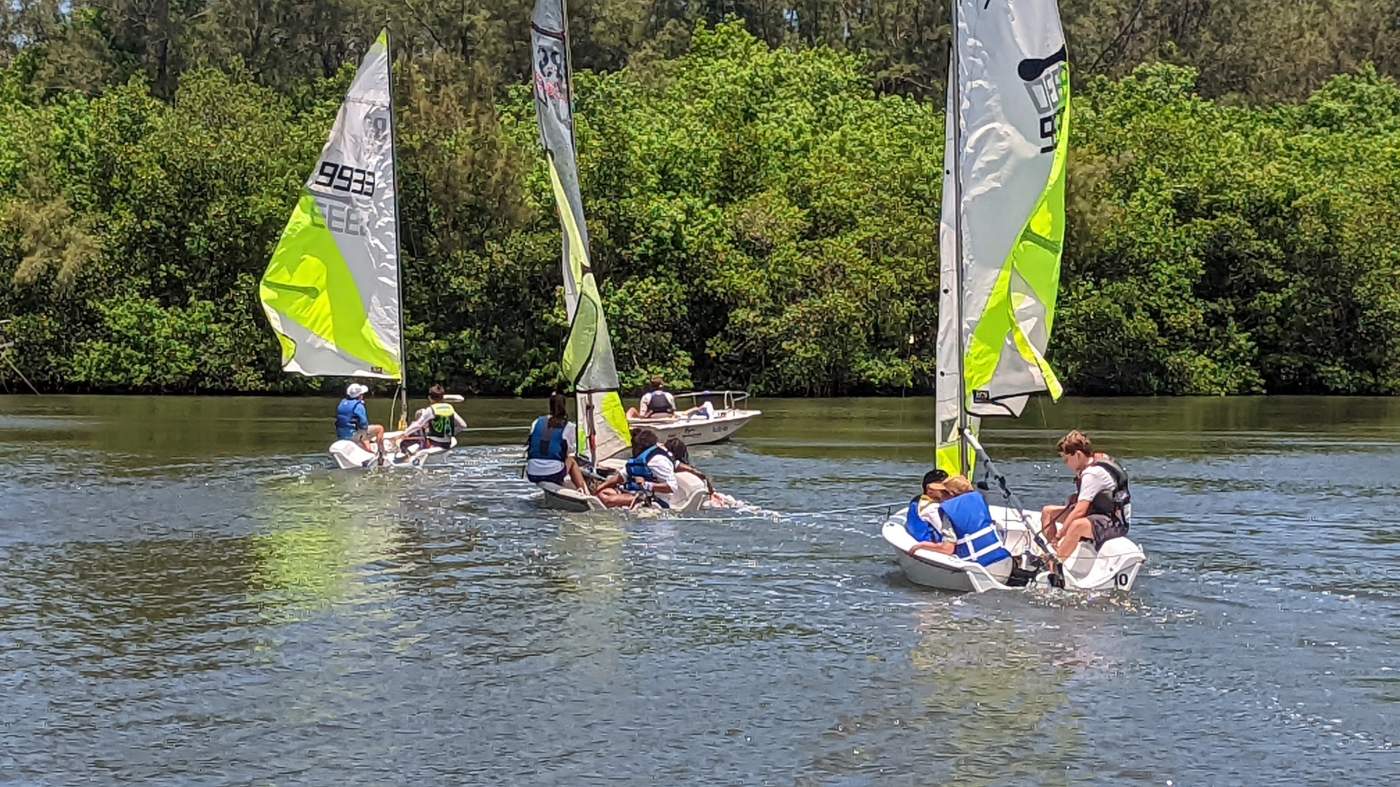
[917,527]
[978,539]
[349,416]
[638,470]
[547,443]
[637,467]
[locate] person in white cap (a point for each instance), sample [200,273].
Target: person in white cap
[352,422]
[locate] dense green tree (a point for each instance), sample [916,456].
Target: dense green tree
[763,198]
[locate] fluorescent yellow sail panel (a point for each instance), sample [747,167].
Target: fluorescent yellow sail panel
[587,360]
[1034,263]
[315,304]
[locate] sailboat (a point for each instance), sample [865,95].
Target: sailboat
[1000,239]
[332,291]
[587,361]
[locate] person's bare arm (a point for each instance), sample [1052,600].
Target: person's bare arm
[945,547]
[683,467]
[418,425]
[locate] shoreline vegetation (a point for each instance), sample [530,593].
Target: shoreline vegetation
[763,196]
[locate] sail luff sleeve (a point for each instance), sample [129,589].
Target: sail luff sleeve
[949,390]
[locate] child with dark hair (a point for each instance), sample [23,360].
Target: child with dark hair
[551,446]
[651,472]
[679,452]
[438,422]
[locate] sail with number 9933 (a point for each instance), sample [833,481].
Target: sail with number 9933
[331,290]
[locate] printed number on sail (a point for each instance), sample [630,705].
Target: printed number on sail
[345,178]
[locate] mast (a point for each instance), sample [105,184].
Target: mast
[957,284]
[398,229]
[587,416]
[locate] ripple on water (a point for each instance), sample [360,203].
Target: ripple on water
[255,616]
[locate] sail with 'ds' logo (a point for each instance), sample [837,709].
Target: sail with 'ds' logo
[1003,225]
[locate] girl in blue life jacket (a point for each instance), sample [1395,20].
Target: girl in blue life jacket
[549,451]
[922,521]
[650,474]
[974,535]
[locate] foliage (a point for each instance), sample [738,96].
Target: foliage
[762,216]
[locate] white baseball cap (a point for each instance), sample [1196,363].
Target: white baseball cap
[356,390]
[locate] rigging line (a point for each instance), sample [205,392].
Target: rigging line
[873,507]
[776,515]
[394,404]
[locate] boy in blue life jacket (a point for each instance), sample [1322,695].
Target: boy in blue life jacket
[352,422]
[651,473]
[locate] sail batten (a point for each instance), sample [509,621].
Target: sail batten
[331,289]
[1003,223]
[587,360]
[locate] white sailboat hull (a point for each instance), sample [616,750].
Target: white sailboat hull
[349,455]
[1115,567]
[694,495]
[697,430]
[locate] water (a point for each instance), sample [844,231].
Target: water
[190,596]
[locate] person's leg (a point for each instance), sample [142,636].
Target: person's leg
[1048,515]
[376,435]
[632,412]
[1079,528]
[614,498]
[575,474]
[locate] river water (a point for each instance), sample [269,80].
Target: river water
[190,595]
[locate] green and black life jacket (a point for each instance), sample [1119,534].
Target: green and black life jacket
[443,427]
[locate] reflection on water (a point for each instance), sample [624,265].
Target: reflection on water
[192,596]
[991,691]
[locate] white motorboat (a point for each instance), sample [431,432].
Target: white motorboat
[1115,567]
[709,424]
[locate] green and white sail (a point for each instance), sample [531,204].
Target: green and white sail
[1003,222]
[331,290]
[588,356]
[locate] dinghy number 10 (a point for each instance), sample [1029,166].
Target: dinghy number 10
[1121,580]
